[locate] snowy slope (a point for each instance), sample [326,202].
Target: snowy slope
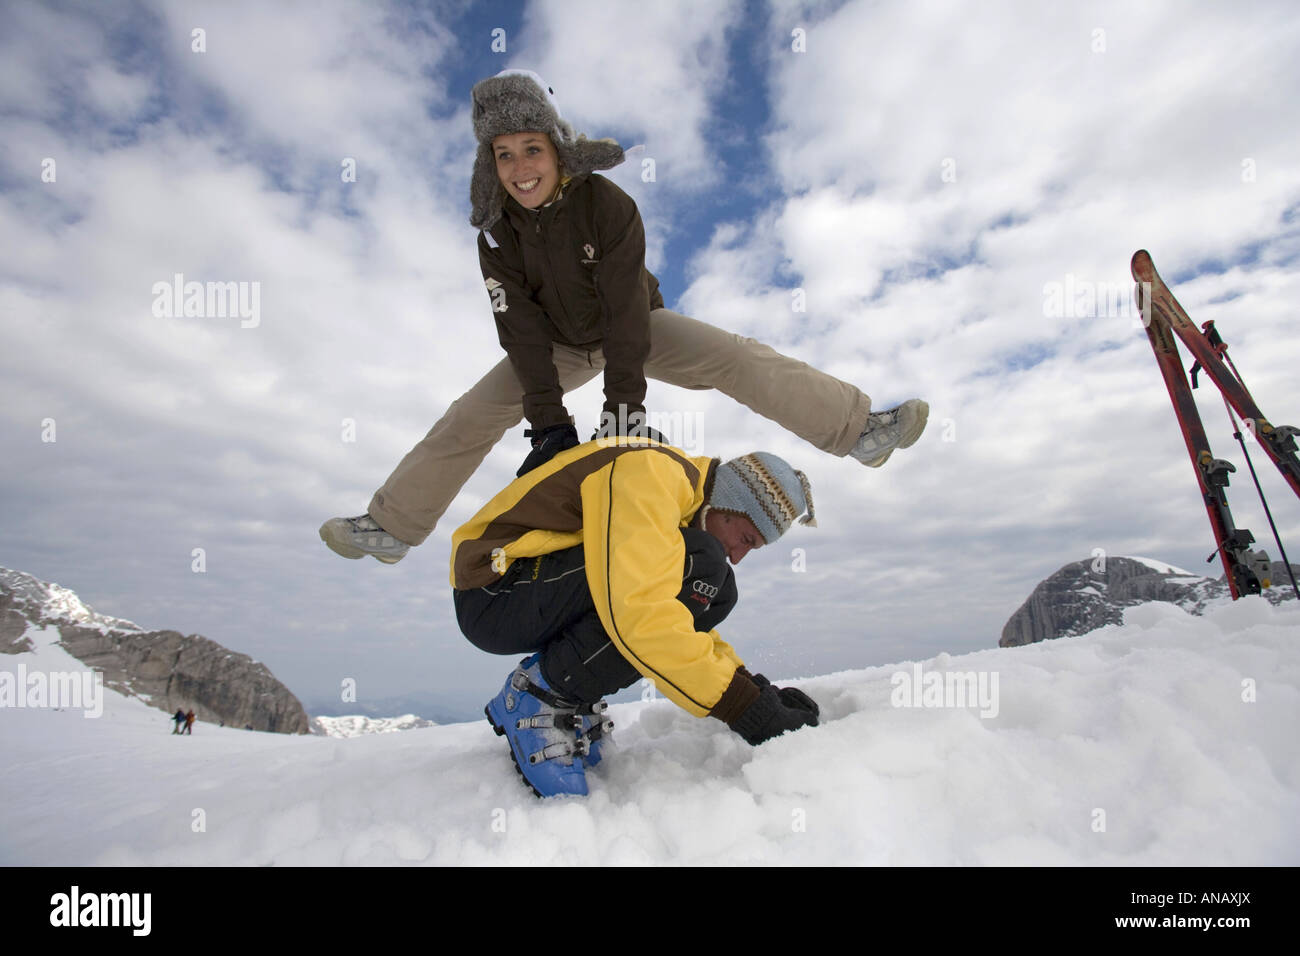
[1132,745]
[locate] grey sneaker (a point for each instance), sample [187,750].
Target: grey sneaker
[359,536]
[896,428]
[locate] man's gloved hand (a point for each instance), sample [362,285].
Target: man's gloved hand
[631,425]
[645,432]
[776,711]
[547,443]
[791,696]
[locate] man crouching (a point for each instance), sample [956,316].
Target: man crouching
[609,563]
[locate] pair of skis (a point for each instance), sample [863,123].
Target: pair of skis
[1247,571]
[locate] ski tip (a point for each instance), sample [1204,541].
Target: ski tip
[1144,270]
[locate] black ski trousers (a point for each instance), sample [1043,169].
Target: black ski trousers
[544,604]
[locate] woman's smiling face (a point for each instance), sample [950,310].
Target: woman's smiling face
[527,160]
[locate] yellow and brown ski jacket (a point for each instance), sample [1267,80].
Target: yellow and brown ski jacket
[624,500]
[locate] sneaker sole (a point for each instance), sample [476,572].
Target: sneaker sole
[910,436]
[340,546]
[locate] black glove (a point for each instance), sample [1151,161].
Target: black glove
[547,443]
[790,696]
[775,712]
[633,426]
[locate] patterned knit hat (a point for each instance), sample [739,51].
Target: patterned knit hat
[518,101]
[764,489]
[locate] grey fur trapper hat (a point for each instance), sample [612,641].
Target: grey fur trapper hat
[517,101]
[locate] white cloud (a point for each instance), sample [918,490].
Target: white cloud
[648,69]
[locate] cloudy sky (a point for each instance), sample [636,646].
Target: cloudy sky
[952,191]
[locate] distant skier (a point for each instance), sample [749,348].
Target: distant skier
[179,718]
[610,563]
[189,721]
[562,252]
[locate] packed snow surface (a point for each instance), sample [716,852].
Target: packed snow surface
[1169,740]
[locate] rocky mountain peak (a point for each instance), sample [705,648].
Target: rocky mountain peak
[1085,595]
[166,669]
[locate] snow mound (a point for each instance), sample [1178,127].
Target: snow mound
[1166,741]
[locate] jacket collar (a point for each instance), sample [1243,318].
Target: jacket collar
[520,215]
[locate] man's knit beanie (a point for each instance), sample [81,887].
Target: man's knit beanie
[766,490]
[518,101]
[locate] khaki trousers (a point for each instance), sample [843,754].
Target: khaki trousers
[683,351]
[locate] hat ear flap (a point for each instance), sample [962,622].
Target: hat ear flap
[484,190]
[584,155]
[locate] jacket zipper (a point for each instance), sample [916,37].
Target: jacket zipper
[604,312]
[550,274]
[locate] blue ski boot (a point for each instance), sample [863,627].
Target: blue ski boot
[543,731]
[594,727]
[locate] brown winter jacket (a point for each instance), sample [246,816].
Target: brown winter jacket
[572,272]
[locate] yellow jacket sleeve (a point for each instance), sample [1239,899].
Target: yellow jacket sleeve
[633,511]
